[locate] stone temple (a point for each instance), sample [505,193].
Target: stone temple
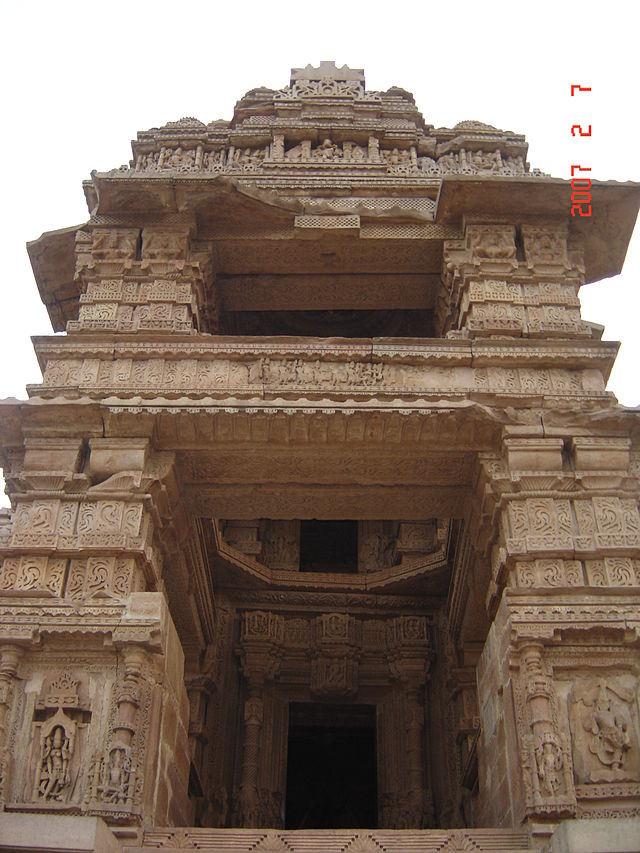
[324,530]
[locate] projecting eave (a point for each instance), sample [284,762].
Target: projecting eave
[53,261]
[52,254]
[606,233]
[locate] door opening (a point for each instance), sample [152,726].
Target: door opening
[331,767]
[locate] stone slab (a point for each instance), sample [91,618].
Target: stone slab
[602,835]
[60,833]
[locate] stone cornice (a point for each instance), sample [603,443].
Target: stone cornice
[143,618]
[303,370]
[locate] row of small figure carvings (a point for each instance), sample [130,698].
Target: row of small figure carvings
[396,161]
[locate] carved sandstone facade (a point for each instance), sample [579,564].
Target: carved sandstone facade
[325,455]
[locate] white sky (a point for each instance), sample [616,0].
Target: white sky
[79,79]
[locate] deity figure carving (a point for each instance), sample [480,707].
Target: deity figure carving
[549,765]
[609,732]
[114,777]
[327,150]
[604,730]
[428,166]
[281,547]
[492,243]
[448,164]
[117,773]
[376,545]
[54,770]
[56,755]
[356,152]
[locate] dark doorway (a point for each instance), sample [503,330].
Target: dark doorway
[328,546]
[331,767]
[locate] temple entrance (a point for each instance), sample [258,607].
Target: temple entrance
[331,767]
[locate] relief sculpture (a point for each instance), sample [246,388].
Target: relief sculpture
[57,749]
[604,724]
[58,744]
[323,456]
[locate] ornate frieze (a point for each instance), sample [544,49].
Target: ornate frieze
[347,155]
[337,640]
[510,473]
[199,376]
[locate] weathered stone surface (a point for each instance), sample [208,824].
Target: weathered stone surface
[326,445]
[65,833]
[605,835]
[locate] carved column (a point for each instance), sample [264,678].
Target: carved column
[262,637]
[489,289]
[558,521]
[9,660]
[409,661]
[545,754]
[86,537]
[113,780]
[141,280]
[249,794]
[10,656]
[128,700]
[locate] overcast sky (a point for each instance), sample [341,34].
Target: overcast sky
[80,79]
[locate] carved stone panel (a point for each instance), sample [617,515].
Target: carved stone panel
[604,730]
[57,762]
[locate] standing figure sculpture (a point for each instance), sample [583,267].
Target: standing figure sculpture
[54,773]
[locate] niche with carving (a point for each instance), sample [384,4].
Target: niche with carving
[58,744]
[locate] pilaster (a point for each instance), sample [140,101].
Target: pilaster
[102,698]
[559,675]
[516,281]
[261,646]
[141,279]
[409,661]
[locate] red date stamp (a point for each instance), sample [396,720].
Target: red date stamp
[580,186]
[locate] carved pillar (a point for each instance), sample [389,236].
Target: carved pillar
[10,656]
[9,660]
[148,279]
[409,661]
[86,534]
[562,542]
[249,795]
[199,695]
[262,637]
[113,782]
[489,289]
[545,754]
[456,737]
[414,724]
[127,699]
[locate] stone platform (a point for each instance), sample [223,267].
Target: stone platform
[73,834]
